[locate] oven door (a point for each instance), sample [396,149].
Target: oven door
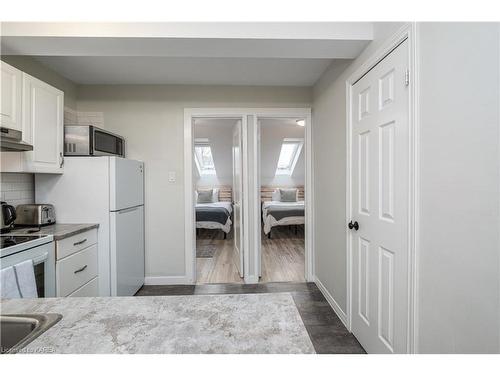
[106,143]
[44,263]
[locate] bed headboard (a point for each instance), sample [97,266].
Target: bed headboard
[266,192]
[225,192]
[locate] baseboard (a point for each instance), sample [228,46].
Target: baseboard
[335,306]
[166,280]
[251,280]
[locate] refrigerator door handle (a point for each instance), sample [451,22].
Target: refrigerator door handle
[124,211]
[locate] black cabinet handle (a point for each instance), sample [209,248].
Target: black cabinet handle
[80,242]
[354,225]
[81,269]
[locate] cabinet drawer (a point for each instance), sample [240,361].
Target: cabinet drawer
[73,244]
[91,289]
[75,270]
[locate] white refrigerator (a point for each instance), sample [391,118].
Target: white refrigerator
[110,191]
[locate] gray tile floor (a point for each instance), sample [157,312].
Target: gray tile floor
[327,333]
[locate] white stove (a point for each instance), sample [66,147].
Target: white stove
[15,249]
[12,243]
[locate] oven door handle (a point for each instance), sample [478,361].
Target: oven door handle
[40,259]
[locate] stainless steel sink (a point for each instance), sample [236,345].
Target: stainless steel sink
[19,330]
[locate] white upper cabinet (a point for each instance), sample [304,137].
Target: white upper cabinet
[43,127]
[41,122]
[11,99]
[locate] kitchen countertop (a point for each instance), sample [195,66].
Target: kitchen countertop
[231,323]
[58,231]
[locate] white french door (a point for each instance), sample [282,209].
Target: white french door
[380,205]
[237,197]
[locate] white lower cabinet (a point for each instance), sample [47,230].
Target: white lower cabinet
[76,265]
[91,289]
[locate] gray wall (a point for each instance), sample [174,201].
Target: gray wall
[36,69]
[151,117]
[329,154]
[459,170]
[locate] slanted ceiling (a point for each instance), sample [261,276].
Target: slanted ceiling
[273,131]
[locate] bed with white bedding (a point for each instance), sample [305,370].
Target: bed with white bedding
[277,213]
[210,216]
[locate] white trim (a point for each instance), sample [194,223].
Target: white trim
[331,301]
[406,32]
[189,214]
[189,227]
[308,188]
[166,280]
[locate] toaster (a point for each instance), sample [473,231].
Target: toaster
[35,214]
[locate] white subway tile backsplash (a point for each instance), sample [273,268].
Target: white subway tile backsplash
[72,117]
[17,188]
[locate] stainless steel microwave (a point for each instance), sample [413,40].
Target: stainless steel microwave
[87,140]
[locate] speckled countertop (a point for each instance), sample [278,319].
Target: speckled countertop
[231,323]
[59,231]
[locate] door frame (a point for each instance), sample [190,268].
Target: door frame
[304,113]
[189,205]
[407,32]
[189,216]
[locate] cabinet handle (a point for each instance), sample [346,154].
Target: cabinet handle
[81,269]
[61,160]
[80,242]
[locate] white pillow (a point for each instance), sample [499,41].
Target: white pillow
[276,196]
[215,195]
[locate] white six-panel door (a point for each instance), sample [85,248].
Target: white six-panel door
[380,205]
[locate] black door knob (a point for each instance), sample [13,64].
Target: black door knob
[354,225]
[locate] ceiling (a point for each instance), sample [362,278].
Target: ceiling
[187,70]
[262,54]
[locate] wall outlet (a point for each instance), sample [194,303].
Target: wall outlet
[171,177]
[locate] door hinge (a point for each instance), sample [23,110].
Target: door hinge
[407,77]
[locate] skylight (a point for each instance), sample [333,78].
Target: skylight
[203,157]
[289,155]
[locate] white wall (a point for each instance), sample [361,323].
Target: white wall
[329,154]
[272,133]
[459,172]
[151,119]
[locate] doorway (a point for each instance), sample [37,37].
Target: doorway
[218,202]
[282,179]
[249,254]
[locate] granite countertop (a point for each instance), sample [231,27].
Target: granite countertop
[59,231]
[231,323]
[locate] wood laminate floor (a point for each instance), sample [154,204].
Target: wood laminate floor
[221,268]
[282,257]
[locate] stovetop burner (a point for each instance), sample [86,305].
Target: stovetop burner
[12,240]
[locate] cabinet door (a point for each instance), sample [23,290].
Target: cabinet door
[43,107]
[11,99]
